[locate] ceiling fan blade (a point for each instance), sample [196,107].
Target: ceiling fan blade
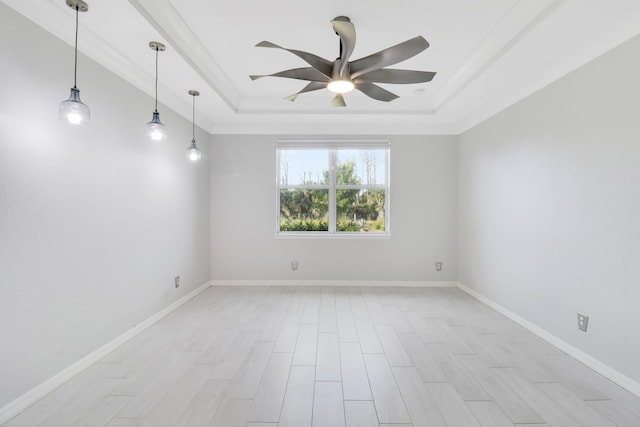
[347,33]
[389,56]
[307,73]
[308,88]
[315,61]
[338,101]
[387,75]
[375,92]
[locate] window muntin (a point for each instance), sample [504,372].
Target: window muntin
[333,188]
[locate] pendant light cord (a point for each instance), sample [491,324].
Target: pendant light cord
[75,62]
[193,121]
[157,48]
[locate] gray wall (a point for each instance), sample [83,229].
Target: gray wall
[95,222]
[423,217]
[549,208]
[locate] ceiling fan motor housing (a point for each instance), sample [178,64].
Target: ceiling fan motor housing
[335,70]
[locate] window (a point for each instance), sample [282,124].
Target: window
[333,188]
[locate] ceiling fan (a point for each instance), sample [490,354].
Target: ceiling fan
[342,76]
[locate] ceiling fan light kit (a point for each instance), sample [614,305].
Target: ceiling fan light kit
[340,85]
[341,76]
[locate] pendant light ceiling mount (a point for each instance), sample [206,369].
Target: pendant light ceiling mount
[153,45]
[78,4]
[194,93]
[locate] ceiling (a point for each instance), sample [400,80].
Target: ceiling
[487,54]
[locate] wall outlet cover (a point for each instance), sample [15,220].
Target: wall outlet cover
[583,322]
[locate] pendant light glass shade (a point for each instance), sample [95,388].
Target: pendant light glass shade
[155,130]
[73,110]
[193,152]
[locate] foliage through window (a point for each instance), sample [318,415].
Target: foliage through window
[333,187]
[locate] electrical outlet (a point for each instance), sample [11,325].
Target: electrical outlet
[438,265]
[583,322]
[294,265]
[177,281]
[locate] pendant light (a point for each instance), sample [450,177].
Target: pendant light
[73,110]
[193,152]
[155,130]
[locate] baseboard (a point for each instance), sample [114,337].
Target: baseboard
[595,364]
[29,398]
[373,283]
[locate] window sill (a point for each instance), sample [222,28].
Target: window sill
[327,236]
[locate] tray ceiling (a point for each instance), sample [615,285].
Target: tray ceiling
[487,54]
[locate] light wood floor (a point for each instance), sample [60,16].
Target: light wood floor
[335,356]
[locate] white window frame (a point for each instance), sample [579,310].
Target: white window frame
[333,146]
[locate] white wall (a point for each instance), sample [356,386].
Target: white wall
[423,217]
[549,208]
[94,221]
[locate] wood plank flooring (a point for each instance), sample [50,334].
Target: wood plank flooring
[335,356]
